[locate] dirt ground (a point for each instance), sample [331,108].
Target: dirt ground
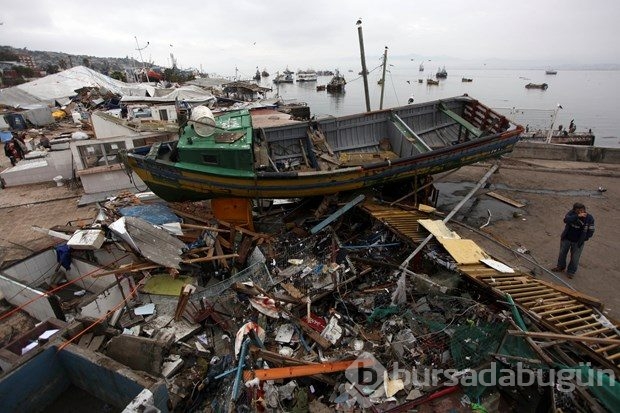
[548,188]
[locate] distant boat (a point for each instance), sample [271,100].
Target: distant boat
[430,81]
[288,71]
[542,86]
[420,80]
[441,73]
[336,85]
[222,156]
[284,78]
[265,73]
[422,67]
[466,79]
[306,76]
[320,88]
[551,72]
[257,75]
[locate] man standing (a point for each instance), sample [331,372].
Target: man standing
[579,228]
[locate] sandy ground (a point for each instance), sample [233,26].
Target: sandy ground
[548,188]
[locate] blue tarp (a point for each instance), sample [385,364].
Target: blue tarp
[5,136]
[63,256]
[156,214]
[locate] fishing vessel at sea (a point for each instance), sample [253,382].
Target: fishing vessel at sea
[225,156]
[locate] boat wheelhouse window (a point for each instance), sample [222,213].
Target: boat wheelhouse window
[210,159]
[100,154]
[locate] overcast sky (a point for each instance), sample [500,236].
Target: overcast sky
[218,36]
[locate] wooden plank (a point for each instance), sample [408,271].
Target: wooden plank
[212,258]
[597,331]
[578,320]
[534,298]
[276,373]
[570,314]
[551,300]
[505,199]
[96,343]
[532,294]
[518,289]
[536,308]
[464,251]
[587,326]
[606,348]
[588,299]
[567,337]
[85,340]
[613,357]
[558,310]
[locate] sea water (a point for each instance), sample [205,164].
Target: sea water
[590,98]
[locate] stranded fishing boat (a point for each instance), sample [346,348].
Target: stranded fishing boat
[224,156]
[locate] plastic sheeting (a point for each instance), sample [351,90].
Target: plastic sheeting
[59,86]
[157,214]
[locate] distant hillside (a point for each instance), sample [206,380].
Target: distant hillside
[53,62]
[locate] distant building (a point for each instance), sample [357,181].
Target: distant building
[27,61]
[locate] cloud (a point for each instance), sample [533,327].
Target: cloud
[220,36]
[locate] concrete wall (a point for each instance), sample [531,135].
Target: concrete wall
[34,385]
[109,180]
[19,294]
[539,150]
[30,171]
[106,300]
[40,381]
[36,268]
[104,128]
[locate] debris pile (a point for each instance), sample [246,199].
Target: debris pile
[306,312]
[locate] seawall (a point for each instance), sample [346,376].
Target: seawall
[557,152]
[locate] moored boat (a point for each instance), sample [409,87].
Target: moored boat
[441,73]
[542,86]
[224,156]
[551,72]
[336,85]
[283,78]
[430,81]
[466,79]
[306,76]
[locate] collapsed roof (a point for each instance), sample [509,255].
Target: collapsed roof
[60,86]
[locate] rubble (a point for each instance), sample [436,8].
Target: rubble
[309,310]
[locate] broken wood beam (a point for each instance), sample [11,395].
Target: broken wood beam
[276,373]
[567,337]
[127,269]
[505,199]
[211,258]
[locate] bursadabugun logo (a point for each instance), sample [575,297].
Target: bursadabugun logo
[365,376]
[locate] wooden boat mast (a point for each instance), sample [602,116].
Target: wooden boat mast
[363,57]
[383,77]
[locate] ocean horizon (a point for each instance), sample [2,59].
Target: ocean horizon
[588,97]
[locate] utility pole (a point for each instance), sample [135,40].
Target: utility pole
[383,77]
[142,59]
[555,115]
[363,57]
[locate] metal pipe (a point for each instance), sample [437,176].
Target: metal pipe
[450,215]
[242,354]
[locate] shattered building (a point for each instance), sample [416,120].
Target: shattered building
[169,306]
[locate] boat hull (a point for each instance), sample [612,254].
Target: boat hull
[182,181]
[174,184]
